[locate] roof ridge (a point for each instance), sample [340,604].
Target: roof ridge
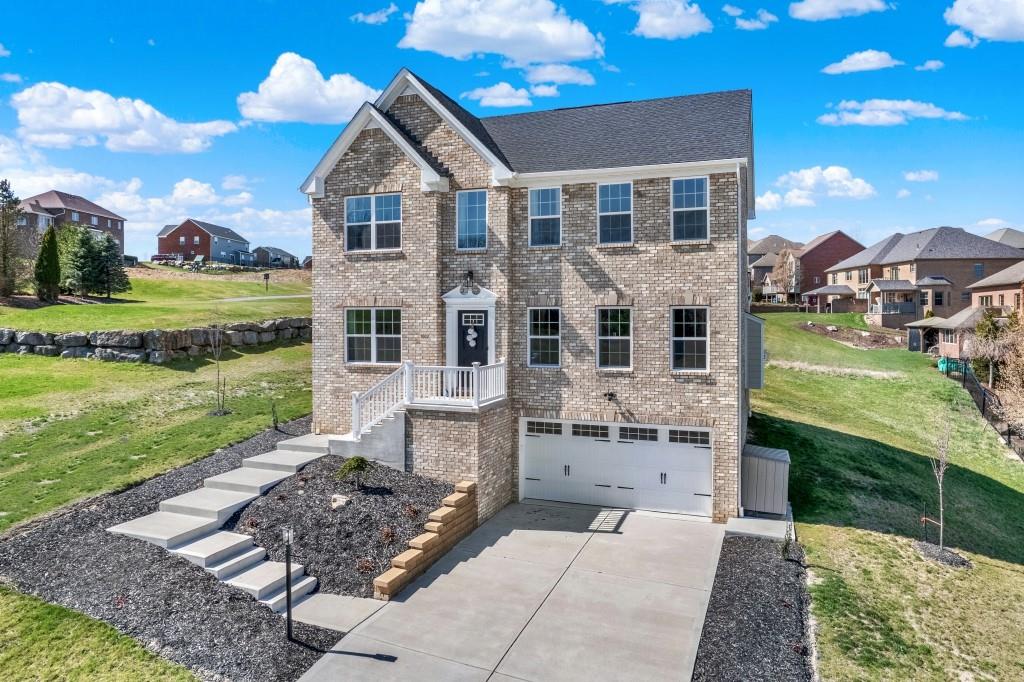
[612,104]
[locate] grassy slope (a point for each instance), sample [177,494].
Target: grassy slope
[116,424]
[169,302]
[860,480]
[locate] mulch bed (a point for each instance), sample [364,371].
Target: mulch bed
[755,625]
[873,340]
[944,556]
[170,605]
[347,547]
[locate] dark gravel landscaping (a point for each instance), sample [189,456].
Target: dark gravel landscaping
[755,626]
[170,605]
[347,547]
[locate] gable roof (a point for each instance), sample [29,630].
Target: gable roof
[768,260]
[948,242]
[165,230]
[1011,276]
[209,228]
[1007,235]
[872,255]
[822,238]
[55,201]
[773,243]
[891,285]
[831,290]
[276,252]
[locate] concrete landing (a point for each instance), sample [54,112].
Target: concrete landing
[311,442]
[287,461]
[208,503]
[247,480]
[335,611]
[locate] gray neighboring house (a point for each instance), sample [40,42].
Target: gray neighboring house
[761,267]
[273,257]
[1008,236]
[773,243]
[193,238]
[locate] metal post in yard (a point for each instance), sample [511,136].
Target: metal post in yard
[288,535]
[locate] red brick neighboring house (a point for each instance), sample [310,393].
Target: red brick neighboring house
[193,238]
[60,208]
[820,254]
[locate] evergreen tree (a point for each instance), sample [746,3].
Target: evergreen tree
[68,237]
[11,238]
[112,278]
[84,275]
[47,271]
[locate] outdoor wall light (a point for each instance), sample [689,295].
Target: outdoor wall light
[610,396]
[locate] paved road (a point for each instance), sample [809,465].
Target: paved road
[546,593]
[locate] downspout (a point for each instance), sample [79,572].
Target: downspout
[741,250]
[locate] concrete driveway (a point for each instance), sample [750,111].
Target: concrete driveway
[546,592]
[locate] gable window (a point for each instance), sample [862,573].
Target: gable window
[913,268]
[544,337]
[615,213]
[181,240]
[614,338]
[690,339]
[979,270]
[546,217]
[939,298]
[689,209]
[373,335]
[862,276]
[195,240]
[471,219]
[817,280]
[373,222]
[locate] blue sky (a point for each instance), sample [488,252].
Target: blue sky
[870,116]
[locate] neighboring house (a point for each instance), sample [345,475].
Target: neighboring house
[1008,236]
[773,243]
[761,267]
[817,256]
[273,257]
[902,277]
[307,263]
[1004,289]
[193,238]
[545,303]
[947,336]
[60,208]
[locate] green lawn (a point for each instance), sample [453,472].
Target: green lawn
[860,480]
[160,300]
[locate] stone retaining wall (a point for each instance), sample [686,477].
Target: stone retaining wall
[156,345]
[456,519]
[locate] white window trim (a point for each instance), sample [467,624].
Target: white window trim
[530,217]
[530,337]
[181,240]
[75,216]
[598,337]
[672,210]
[373,221]
[487,218]
[195,240]
[706,339]
[373,337]
[597,207]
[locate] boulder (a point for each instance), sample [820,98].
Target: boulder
[121,354]
[76,352]
[283,323]
[266,326]
[286,333]
[306,333]
[71,339]
[24,350]
[340,501]
[116,339]
[12,347]
[250,338]
[234,338]
[33,338]
[49,351]
[267,337]
[832,328]
[240,327]
[296,322]
[200,336]
[6,336]
[159,357]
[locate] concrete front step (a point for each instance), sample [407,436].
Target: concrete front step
[247,480]
[208,503]
[233,565]
[288,461]
[214,548]
[166,529]
[308,443]
[279,600]
[265,578]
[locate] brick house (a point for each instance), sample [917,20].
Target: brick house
[904,276]
[502,299]
[60,208]
[192,238]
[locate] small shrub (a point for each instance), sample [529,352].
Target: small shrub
[354,467]
[410,512]
[387,535]
[365,565]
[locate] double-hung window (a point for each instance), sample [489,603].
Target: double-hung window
[373,335]
[544,337]
[74,216]
[862,276]
[614,338]
[546,216]
[471,219]
[940,298]
[181,240]
[690,339]
[195,240]
[373,222]
[689,209]
[615,213]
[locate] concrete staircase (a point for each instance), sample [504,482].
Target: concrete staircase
[384,443]
[188,524]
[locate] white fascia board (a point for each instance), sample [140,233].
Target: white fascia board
[369,117]
[405,81]
[623,173]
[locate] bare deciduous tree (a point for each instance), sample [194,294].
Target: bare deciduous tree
[784,274]
[1011,378]
[940,462]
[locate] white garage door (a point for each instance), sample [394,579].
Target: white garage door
[636,466]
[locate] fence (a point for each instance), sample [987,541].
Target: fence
[987,402]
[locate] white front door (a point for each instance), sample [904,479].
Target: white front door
[656,467]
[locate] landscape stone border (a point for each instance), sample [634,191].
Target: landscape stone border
[155,345]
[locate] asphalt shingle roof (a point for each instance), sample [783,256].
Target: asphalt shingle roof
[768,260]
[872,255]
[276,252]
[1011,276]
[215,230]
[893,285]
[831,290]
[1008,235]
[933,280]
[773,243]
[55,199]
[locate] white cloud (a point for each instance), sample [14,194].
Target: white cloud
[867,60]
[960,39]
[834,181]
[769,201]
[375,18]
[992,222]
[886,112]
[764,18]
[799,198]
[499,95]
[820,10]
[559,74]
[57,115]
[10,77]
[295,90]
[930,65]
[4,52]
[1001,20]
[667,19]
[542,90]
[921,176]
[239,199]
[903,193]
[523,31]
[732,11]
[189,192]
[235,182]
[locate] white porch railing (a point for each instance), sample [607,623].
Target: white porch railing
[413,384]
